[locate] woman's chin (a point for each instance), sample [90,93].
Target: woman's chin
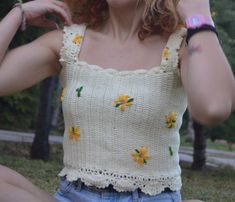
[121,3]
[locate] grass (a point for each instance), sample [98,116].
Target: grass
[210,145]
[209,185]
[43,174]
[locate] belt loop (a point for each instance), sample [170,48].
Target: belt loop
[135,195]
[78,185]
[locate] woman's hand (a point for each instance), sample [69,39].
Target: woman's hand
[35,12]
[187,8]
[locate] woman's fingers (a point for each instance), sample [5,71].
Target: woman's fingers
[57,10]
[37,9]
[64,6]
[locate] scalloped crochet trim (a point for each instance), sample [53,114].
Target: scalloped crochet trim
[70,51]
[122,182]
[155,69]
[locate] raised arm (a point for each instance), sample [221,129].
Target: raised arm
[206,74]
[28,64]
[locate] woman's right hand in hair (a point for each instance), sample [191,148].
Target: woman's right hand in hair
[36,10]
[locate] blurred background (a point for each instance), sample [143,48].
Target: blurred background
[31,127]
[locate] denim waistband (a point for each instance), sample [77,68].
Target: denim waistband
[78,183]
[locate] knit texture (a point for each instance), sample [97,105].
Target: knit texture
[122,127]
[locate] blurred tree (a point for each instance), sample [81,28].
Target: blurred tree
[199,145]
[40,148]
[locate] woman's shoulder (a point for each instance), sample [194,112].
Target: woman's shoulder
[55,39]
[52,40]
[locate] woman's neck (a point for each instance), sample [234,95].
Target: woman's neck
[124,22]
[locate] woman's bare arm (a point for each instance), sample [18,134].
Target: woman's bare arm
[208,79]
[206,74]
[28,64]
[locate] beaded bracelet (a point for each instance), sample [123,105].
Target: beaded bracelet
[205,27]
[23,22]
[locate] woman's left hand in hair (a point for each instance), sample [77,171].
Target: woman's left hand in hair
[187,8]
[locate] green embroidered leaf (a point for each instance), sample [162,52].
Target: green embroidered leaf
[131,100]
[137,150]
[79,91]
[170,150]
[117,105]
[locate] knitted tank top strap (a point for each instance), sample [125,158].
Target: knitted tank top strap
[170,55]
[72,42]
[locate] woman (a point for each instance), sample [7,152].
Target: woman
[125,75]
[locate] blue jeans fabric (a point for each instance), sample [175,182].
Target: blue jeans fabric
[78,192]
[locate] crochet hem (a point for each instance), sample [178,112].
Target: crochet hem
[122,182]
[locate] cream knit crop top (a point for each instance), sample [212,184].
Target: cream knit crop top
[122,127]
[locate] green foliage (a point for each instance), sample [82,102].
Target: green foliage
[20,110]
[225,131]
[224,16]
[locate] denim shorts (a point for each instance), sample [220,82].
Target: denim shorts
[79,192]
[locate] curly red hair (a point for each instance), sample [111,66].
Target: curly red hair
[160,16]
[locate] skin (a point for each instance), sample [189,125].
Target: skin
[216,92]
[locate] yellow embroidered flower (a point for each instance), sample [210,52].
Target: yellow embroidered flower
[74,133]
[171,119]
[62,95]
[122,101]
[140,156]
[166,53]
[77,39]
